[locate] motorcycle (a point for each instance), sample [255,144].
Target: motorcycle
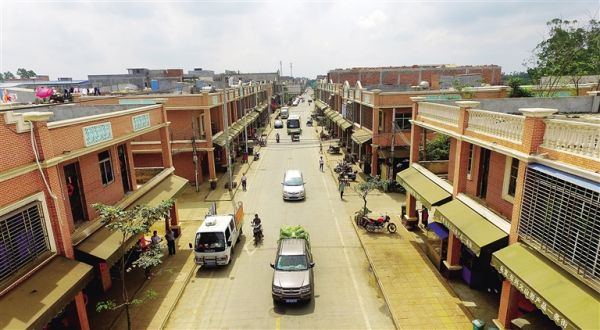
[257,233]
[333,150]
[257,155]
[343,167]
[373,225]
[351,176]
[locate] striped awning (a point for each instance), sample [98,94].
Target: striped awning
[321,105]
[342,122]
[361,136]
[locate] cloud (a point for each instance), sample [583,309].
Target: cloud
[376,18]
[74,39]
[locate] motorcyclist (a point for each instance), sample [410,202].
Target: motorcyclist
[256,224]
[256,221]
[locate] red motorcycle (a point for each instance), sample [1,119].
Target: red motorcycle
[375,225]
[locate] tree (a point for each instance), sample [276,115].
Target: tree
[461,88]
[438,148]
[571,50]
[517,90]
[131,223]
[363,189]
[524,78]
[9,75]
[25,74]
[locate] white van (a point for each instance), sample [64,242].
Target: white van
[215,239]
[284,113]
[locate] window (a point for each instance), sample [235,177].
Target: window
[512,180]
[105,167]
[509,186]
[200,127]
[470,163]
[403,120]
[561,218]
[381,121]
[24,238]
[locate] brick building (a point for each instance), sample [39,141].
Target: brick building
[57,161]
[197,124]
[518,209]
[438,76]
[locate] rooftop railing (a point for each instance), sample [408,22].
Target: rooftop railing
[499,125]
[447,114]
[574,137]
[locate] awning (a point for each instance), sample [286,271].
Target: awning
[422,188]
[220,140]
[343,123]
[234,130]
[105,244]
[33,303]
[250,118]
[361,136]
[399,152]
[557,294]
[470,227]
[320,104]
[329,113]
[261,109]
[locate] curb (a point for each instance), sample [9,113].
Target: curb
[385,297]
[172,307]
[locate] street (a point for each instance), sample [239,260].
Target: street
[239,295]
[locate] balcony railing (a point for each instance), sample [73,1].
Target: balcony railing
[499,125]
[447,114]
[578,138]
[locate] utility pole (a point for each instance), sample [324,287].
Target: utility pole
[227,147]
[291,73]
[195,156]
[244,116]
[391,173]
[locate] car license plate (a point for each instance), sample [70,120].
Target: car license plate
[291,300]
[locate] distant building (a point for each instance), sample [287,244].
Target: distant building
[438,76]
[222,79]
[161,80]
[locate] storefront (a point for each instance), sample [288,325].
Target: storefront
[479,238]
[105,247]
[359,137]
[45,295]
[557,294]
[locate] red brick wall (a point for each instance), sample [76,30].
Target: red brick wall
[147,160]
[16,147]
[70,137]
[451,159]
[94,190]
[184,167]
[495,184]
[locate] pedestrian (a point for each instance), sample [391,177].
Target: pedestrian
[321,162]
[342,186]
[244,182]
[320,147]
[170,237]
[424,217]
[155,239]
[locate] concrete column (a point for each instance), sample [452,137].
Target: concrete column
[452,261]
[212,172]
[509,303]
[534,128]
[374,159]
[81,311]
[415,131]
[462,148]
[165,143]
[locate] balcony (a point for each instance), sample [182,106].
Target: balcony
[495,124]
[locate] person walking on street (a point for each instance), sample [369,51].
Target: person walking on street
[155,239]
[244,182]
[341,187]
[170,237]
[321,163]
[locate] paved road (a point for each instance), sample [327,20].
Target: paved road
[239,295]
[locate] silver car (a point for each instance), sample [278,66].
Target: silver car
[293,279]
[293,185]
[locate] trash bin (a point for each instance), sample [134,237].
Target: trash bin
[478,324]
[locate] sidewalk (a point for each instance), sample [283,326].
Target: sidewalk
[416,297]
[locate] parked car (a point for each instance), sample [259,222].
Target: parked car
[293,279]
[278,123]
[293,185]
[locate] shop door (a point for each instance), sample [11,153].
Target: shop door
[124,165]
[484,169]
[75,193]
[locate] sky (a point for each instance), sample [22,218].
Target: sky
[77,38]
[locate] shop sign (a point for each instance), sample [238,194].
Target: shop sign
[97,133]
[457,233]
[140,122]
[536,299]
